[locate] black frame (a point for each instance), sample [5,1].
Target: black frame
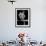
[29,17]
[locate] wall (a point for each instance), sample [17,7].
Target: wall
[8,31]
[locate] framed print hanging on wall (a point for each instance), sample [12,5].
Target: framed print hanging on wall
[22,17]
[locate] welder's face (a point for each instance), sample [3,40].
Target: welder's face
[21,15]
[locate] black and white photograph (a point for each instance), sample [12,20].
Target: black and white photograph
[22,17]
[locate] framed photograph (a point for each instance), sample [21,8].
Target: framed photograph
[22,17]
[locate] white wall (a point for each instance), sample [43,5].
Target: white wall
[8,31]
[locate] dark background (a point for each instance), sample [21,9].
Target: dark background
[19,22]
[25,12]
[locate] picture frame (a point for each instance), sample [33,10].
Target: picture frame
[22,17]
